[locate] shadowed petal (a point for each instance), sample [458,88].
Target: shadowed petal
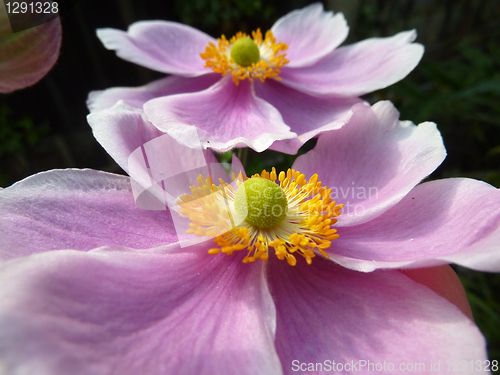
[120,311]
[359,68]
[445,282]
[78,209]
[310,33]
[167,47]
[137,96]
[156,162]
[226,116]
[27,56]
[306,115]
[328,313]
[453,220]
[373,161]
[121,130]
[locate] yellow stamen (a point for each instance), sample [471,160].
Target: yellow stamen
[270,58]
[306,229]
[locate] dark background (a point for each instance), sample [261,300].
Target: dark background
[457,85]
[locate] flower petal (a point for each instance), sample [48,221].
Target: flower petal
[77,209]
[445,282]
[115,310]
[359,68]
[453,220]
[327,313]
[373,161]
[167,47]
[310,33]
[137,96]
[306,115]
[121,130]
[226,116]
[156,162]
[27,56]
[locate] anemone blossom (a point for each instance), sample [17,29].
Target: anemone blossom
[93,284]
[273,90]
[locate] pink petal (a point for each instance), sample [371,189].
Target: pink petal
[120,311]
[445,282]
[137,96]
[121,130]
[359,68]
[306,115]
[226,116]
[167,47]
[154,160]
[452,220]
[77,209]
[327,313]
[27,56]
[237,166]
[310,33]
[373,161]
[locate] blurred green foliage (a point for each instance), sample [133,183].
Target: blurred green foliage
[210,14]
[466,87]
[17,136]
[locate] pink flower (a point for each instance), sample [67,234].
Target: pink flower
[300,83]
[91,284]
[27,56]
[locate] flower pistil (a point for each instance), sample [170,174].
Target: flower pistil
[246,58]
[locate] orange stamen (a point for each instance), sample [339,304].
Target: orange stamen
[272,59]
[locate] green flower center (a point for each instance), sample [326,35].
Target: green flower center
[245,52]
[262,202]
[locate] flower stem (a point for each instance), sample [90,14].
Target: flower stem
[242,155]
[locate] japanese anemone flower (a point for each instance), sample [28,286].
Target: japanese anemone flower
[265,90]
[92,284]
